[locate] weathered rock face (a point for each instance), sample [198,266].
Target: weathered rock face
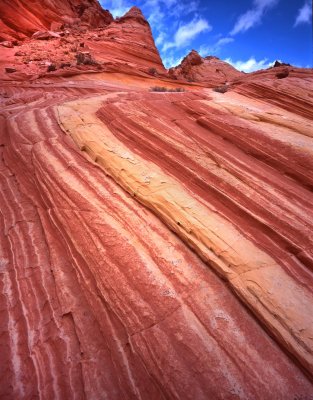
[20,18]
[129,40]
[152,245]
[99,298]
[125,45]
[134,13]
[287,87]
[210,70]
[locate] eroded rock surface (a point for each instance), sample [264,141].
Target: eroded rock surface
[209,70]
[152,245]
[124,45]
[21,18]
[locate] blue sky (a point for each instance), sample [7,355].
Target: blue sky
[250,34]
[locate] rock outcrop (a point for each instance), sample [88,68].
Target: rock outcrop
[209,70]
[21,18]
[129,40]
[152,245]
[125,45]
[134,13]
[286,87]
[94,282]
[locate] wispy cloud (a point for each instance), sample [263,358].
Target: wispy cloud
[116,7]
[183,8]
[155,12]
[214,49]
[250,65]
[170,60]
[304,14]
[187,32]
[253,16]
[160,39]
[223,41]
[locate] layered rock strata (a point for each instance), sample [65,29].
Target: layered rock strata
[21,18]
[152,245]
[100,298]
[292,92]
[210,70]
[250,264]
[125,45]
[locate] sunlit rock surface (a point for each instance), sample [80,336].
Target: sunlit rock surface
[124,45]
[21,18]
[152,245]
[209,70]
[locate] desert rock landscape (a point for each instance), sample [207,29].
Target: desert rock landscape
[156,235]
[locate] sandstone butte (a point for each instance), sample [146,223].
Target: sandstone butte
[153,245]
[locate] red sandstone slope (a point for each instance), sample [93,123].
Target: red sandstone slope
[288,87]
[209,70]
[125,45]
[99,297]
[152,245]
[129,40]
[20,18]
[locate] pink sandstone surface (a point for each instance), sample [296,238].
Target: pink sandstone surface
[21,18]
[208,70]
[152,245]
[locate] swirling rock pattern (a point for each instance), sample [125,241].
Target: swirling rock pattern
[154,245]
[21,18]
[100,299]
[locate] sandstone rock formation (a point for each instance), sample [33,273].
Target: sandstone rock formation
[209,70]
[21,18]
[152,245]
[124,45]
[45,35]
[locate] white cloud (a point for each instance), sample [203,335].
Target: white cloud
[160,39]
[304,14]
[158,11]
[119,12]
[224,41]
[215,48]
[247,21]
[253,16]
[170,61]
[154,12]
[186,33]
[250,65]
[117,7]
[183,8]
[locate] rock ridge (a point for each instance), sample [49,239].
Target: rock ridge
[21,18]
[155,227]
[209,70]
